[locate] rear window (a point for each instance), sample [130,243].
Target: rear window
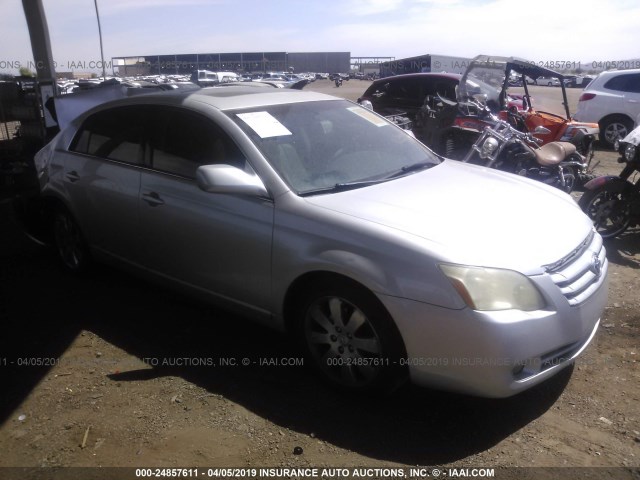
[113,134]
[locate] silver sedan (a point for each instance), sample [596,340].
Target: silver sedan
[315,215]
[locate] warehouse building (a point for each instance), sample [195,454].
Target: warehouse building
[237,62]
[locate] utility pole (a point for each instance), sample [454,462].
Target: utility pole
[40,43]
[42,56]
[104,72]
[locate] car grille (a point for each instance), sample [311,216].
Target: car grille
[580,273]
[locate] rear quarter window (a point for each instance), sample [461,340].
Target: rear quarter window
[115,134]
[624,83]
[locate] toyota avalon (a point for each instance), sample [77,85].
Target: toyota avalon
[317,216]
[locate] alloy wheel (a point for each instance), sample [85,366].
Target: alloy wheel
[69,242]
[343,341]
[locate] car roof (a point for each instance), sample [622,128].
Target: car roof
[222,98]
[620,72]
[599,80]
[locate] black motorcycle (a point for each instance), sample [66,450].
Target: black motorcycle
[613,203]
[505,148]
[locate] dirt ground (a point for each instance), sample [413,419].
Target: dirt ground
[109,371]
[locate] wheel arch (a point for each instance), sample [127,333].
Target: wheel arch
[389,377]
[308,281]
[611,116]
[36,216]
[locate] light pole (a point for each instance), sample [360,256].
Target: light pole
[104,72]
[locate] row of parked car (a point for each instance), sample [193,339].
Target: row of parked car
[571,81]
[578,81]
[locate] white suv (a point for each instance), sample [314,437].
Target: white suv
[613,101]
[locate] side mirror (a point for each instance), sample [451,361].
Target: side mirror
[222,178]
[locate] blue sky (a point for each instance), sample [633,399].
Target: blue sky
[539,30]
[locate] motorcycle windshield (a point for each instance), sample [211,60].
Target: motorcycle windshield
[487,79]
[484,81]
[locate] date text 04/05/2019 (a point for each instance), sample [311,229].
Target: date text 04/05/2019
[313,472]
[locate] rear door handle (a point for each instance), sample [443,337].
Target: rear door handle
[153,199]
[72,176]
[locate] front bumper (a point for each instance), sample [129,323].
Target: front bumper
[495,354]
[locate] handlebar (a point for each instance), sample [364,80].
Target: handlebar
[487,113]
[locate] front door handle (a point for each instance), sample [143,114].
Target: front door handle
[153,199]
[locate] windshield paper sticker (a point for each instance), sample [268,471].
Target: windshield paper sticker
[369,116]
[264,124]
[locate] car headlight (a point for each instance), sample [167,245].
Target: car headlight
[629,152]
[492,289]
[489,146]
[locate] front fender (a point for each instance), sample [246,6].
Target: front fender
[617,183]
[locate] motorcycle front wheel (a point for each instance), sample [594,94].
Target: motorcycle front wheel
[608,208]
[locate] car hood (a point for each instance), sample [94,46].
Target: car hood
[472,215]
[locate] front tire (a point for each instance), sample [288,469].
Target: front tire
[69,242]
[608,208]
[349,338]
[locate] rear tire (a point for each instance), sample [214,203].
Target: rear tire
[608,208]
[69,242]
[613,127]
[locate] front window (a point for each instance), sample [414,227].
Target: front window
[182,141]
[318,146]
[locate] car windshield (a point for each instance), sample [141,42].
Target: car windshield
[332,145]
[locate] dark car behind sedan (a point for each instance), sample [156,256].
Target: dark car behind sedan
[406,93]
